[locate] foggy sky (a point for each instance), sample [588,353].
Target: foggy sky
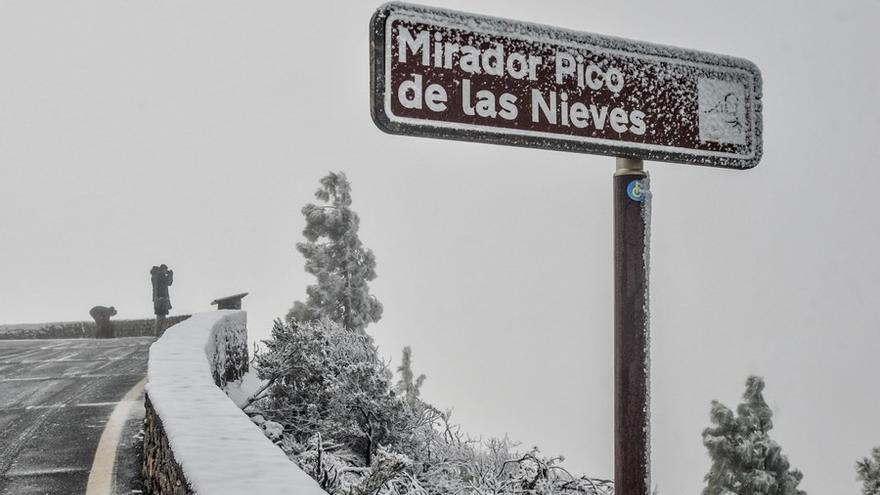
[191,133]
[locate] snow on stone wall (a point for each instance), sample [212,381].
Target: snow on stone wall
[214,448]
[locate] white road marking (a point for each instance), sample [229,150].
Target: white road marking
[43,472]
[65,376]
[27,379]
[67,357]
[101,474]
[46,406]
[97,404]
[58,406]
[114,375]
[64,359]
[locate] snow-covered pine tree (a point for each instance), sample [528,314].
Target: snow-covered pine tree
[335,256]
[409,385]
[868,470]
[745,460]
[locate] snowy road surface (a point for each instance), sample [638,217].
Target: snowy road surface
[55,399]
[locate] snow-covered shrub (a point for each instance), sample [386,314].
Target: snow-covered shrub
[357,433]
[330,380]
[328,463]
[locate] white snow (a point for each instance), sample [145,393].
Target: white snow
[218,447]
[241,390]
[273,430]
[722,109]
[646,257]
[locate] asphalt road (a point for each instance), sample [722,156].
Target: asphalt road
[55,399]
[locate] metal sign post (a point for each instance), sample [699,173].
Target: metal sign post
[632,208]
[451,75]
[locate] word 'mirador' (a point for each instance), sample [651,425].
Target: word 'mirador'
[432,49]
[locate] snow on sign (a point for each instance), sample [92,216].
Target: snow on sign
[445,74]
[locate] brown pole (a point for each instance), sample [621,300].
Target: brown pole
[632,415]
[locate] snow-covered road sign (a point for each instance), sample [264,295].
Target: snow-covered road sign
[438,73]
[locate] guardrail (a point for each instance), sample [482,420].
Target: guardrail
[197,441]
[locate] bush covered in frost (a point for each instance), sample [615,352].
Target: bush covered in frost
[356,431]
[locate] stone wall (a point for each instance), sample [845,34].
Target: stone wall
[162,474]
[83,329]
[196,439]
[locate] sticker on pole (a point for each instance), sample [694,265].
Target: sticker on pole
[636,190]
[444,74]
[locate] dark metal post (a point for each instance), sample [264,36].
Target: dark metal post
[632,415]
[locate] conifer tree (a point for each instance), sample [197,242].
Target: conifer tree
[868,470]
[745,460]
[335,256]
[409,385]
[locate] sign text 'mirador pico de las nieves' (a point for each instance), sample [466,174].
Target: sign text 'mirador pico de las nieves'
[439,73]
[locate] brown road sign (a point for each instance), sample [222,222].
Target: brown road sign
[438,73]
